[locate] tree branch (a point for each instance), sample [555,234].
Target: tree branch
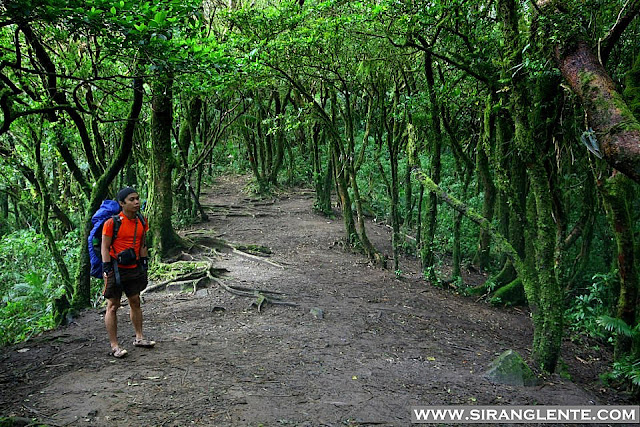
[616,128]
[606,44]
[126,145]
[500,240]
[58,96]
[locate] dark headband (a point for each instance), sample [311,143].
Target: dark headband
[122,194]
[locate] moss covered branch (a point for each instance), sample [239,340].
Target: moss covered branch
[500,241]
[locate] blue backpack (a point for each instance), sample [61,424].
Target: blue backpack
[108,209]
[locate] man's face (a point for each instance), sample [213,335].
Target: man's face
[131,203]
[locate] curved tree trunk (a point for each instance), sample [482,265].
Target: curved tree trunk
[322,178]
[82,291]
[343,194]
[617,129]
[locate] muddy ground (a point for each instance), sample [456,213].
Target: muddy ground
[360,347]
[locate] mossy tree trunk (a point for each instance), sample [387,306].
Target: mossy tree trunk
[162,236]
[62,303]
[428,238]
[4,208]
[619,194]
[482,257]
[322,175]
[511,188]
[192,111]
[608,115]
[544,293]
[393,128]
[550,303]
[341,178]
[464,173]
[350,164]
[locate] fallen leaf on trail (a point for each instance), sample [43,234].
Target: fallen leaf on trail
[354,377]
[431,359]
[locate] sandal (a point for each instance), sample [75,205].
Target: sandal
[141,342]
[118,352]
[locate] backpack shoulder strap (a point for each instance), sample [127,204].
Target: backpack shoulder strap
[141,218]
[117,221]
[144,232]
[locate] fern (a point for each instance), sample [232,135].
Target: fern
[617,326]
[635,377]
[627,369]
[21,289]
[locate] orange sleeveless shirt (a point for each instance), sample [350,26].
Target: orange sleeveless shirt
[124,239]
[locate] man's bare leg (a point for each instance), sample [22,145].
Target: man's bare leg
[136,320]
[136,315]
[111,321]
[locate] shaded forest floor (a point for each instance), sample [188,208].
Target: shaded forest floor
[360,347]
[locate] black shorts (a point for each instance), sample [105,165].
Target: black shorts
[132,282]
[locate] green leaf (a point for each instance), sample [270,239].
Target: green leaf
[159,18]
[615,325]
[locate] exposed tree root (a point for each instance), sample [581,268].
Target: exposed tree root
[256,258]
[207,272]
[262,296]
[269,203]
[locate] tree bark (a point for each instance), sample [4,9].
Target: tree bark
[343,193]
[482,258]
[616,128]
[322,178]
[428,240]
[163,236]
[544,292]
[548,337]
[619,194]
[62,302]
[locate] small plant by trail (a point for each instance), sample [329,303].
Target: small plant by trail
[29,284]
[585,312]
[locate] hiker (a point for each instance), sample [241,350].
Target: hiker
[124,265]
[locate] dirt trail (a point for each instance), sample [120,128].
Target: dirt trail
[380,345]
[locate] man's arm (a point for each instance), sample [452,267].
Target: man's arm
[104,249]
[144,251]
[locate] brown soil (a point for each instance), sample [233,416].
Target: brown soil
[384,343]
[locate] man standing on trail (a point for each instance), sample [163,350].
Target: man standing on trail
[124,265]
